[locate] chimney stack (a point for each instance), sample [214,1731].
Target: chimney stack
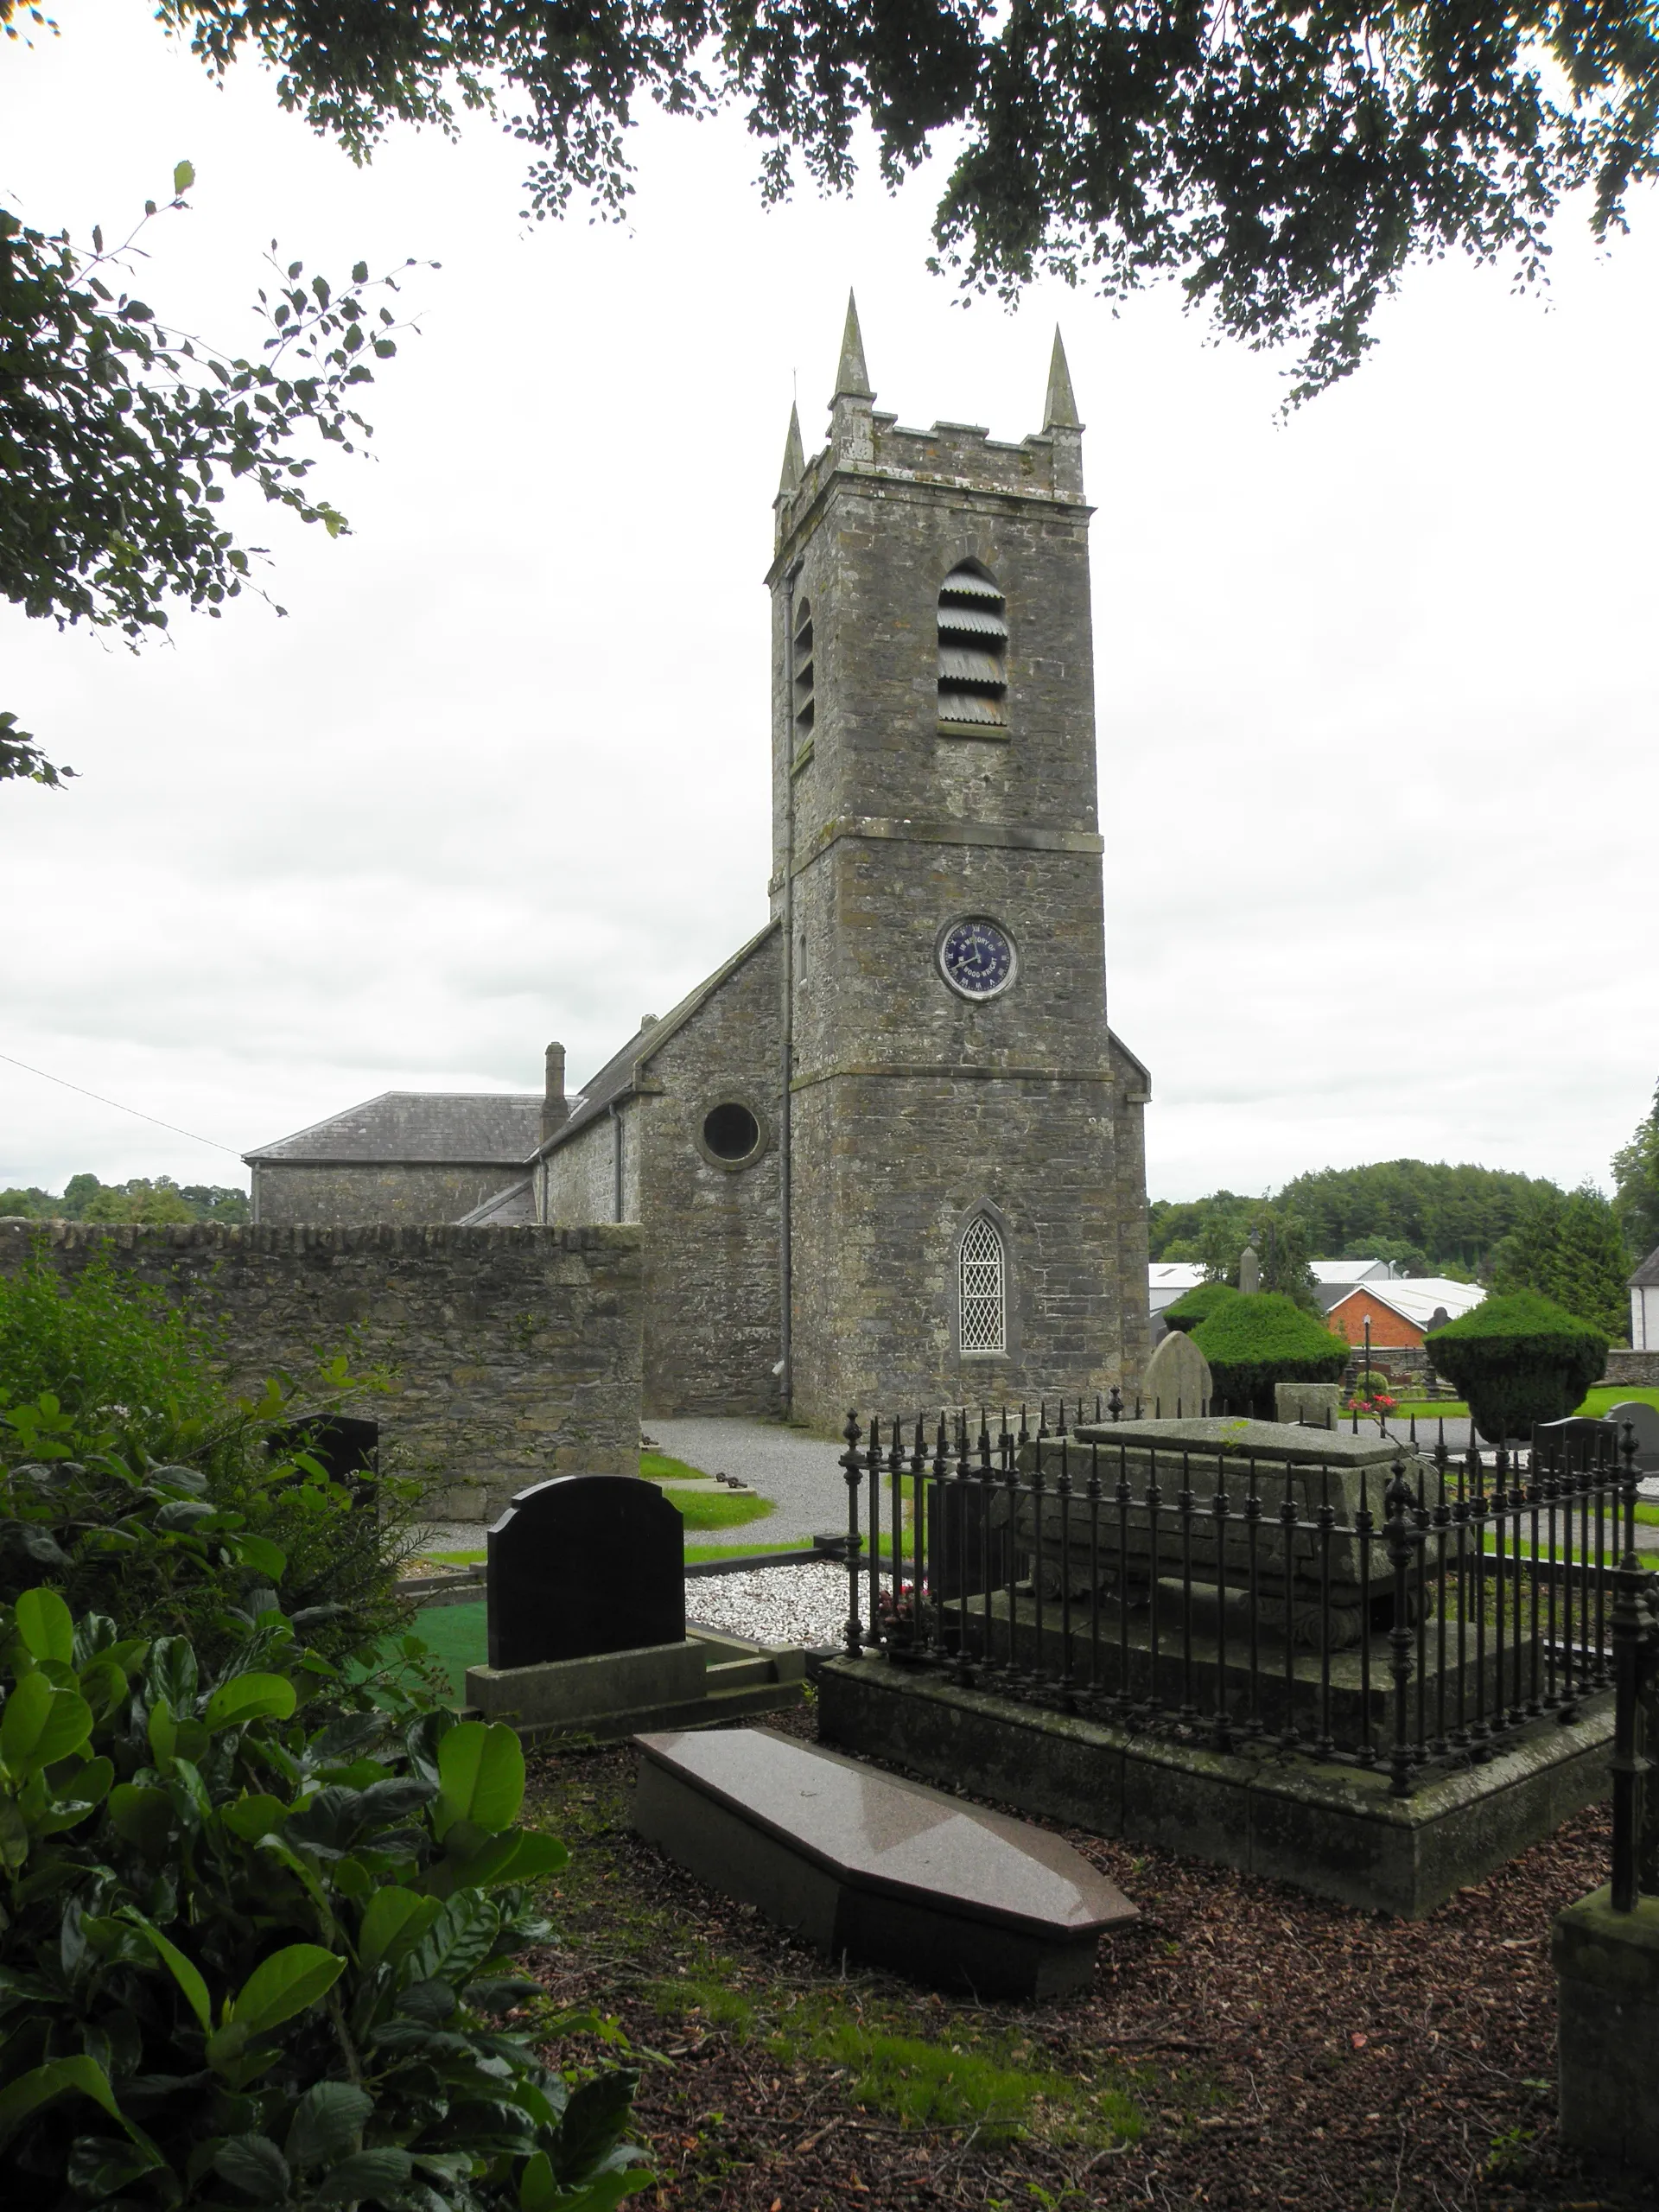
[554,1106]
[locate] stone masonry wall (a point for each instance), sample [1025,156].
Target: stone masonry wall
[515,1353]
[293,1193]
[712,1255]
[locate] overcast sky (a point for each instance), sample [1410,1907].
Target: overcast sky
[1376,687]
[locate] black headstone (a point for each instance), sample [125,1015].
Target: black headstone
[585,1564]
[348,1450]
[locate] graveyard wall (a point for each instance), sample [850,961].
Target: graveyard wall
[1634,1370]
[513,1353]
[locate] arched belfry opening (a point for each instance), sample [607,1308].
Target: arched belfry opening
[983,1287]
[805,681]
[973,650]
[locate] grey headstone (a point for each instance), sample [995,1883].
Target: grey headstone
[582,1565]
[1176,1381]
[1644,1420]
[1249,1270]
[1315,1405]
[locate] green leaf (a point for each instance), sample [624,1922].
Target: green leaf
[252,1817]
[81,1794]
[254,2164]
[536,2188]
[328,2124]
[144,1817]
[41,1724]
[262,1555]
[59,2077]
[394,1922]
[593,2123]
[521,1855]
[250,1697]
[188,1979]
[45,1626]
[606,2191]
[287,1982]
[184,175]
[367,2173]
[480,1775]
[171,1674]
[161,1733]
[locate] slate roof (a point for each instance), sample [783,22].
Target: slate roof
[1648,1273]
[507,1209]
[616,1078]
[420,1128]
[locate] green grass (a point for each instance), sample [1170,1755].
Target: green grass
[722,1511]
[695,1553]
[458,1637]
[1600,1401]
[458,1559]
[657,1467]
[991,2092]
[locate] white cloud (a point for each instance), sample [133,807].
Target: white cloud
[1377,757]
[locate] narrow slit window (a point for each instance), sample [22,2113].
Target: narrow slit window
[804,673]
[984,1289]
[973,650]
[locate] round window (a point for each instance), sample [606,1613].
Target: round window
[731,1132]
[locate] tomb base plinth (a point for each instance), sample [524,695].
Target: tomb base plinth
[1607,1984]
[701,1680]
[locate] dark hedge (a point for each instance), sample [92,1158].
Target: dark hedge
[1193,1307]
[1257,1338]
[1518,1359]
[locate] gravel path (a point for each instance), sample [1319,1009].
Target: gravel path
[775,1604]
[800,1474]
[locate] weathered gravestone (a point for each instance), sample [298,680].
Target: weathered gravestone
[1249,1270]
[1310,1405]
[1177,1383]
[584,1564]
[1645,1421]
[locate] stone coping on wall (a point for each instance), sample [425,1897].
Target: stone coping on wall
[18,1231]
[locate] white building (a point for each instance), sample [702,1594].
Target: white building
[1644,1305]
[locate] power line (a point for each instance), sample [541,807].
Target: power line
[212,1143]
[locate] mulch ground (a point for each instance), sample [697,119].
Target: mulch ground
[1280,2052]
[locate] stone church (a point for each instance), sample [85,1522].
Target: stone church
[890,1155]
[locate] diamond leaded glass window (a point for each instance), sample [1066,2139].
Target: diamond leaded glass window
[984,1300]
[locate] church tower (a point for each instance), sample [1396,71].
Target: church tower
[963,1187]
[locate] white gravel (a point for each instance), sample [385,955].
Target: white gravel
[775,1604]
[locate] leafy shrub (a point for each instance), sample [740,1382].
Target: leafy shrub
[1518,1359]
[1196,1306]
[109,1388]
[249,1960]
[1257,1339]
[1369,1384]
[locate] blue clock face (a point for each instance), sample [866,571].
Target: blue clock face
[976,958]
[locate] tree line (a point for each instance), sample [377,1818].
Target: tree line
[143,1198]
[1490,1225]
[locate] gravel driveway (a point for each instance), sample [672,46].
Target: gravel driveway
[800,1474]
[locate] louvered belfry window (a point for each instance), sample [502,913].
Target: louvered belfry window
[973,650]
[803,703]
[984,1295]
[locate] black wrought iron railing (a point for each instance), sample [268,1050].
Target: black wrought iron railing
[1348,1598]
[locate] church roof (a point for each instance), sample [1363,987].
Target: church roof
[617,1078]
[1648,1273]
[412,1129]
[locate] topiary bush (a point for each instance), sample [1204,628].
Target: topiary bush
[259,1952]
[1196,1306]
[1518,1359]
[1255,1339]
